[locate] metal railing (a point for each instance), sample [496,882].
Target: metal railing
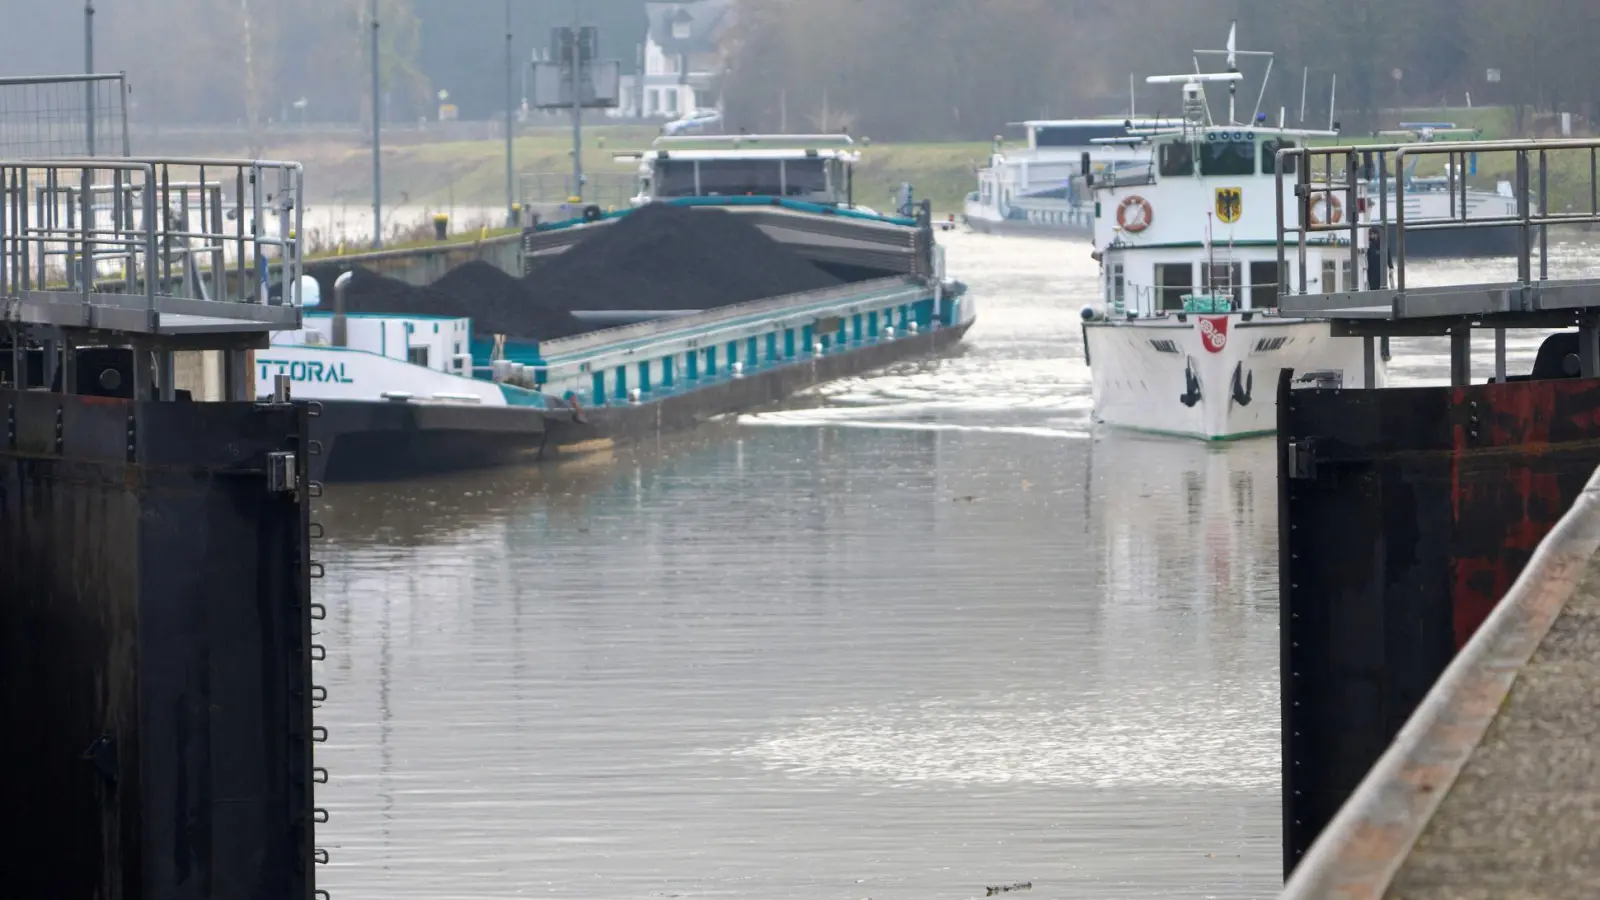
[117,243]
[602,189]
[63,116]
[1349,170]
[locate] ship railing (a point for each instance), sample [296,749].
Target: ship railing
[158,246]
[1534,298]
[607,190]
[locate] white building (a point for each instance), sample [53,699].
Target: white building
[682,60]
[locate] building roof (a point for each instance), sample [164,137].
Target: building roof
[708,20]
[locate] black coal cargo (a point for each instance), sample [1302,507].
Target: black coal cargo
[665,257]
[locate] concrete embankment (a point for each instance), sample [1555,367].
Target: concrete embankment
[1492,789]
[426,264]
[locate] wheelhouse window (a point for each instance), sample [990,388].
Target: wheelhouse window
[1177,159]
[805,178]
[739,177]
[1269,157]
[1228,158]
[675,178]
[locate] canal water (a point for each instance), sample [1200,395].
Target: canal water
[928,633]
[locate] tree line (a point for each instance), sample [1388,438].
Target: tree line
[890,69]
[963,69]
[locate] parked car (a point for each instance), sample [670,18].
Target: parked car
[701,121]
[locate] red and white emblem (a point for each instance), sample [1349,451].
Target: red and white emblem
[1214,333]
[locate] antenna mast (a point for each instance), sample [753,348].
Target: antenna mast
[1232,54]
[1233,67]
[1333,95]
[1305,79]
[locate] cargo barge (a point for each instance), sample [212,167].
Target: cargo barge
[626,324]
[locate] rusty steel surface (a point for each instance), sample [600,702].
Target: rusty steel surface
[1405,515]
[1409,793]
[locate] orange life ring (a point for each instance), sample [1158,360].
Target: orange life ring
[1335,208]
[1134,214]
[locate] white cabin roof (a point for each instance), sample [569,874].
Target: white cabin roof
[757,153]
[1138,121]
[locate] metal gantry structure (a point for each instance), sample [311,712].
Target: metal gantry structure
[1534,299]
[159,255]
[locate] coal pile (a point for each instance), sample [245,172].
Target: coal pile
[503,304]
[657,258]
[496,303]
[665,257]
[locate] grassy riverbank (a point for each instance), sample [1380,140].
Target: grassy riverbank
[469,177]
[473,173]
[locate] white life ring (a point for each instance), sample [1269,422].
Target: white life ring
[1335,208]
[1134,214]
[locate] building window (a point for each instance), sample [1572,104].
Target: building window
[702,100]
[652,102]
[1119,287]
[672,101]
[681,27]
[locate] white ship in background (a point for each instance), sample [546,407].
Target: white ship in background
[1040,190]
[1430,197]
[1185,338]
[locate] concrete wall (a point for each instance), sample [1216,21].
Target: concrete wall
[200,373]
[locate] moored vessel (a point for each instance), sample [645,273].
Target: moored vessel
[1446,195]
[1185,337]
[741,276]
[1040,189]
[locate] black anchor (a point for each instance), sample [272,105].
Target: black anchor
[1191,394]
[1241,392]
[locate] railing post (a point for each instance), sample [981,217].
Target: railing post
[1399,225]
[1352,215]
[1277,181]
[1544,210]
[1302,199]
[1524,236]
[1383,214]
[150,273]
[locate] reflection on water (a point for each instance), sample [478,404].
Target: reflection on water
[926,632]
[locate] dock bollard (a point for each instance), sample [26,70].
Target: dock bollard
[633,396]
[888,332]
[911,328]
[441,226]
[738,370]
[816,350]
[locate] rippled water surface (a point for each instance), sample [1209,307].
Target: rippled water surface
[927,632]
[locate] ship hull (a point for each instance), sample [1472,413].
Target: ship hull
[1168,376]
